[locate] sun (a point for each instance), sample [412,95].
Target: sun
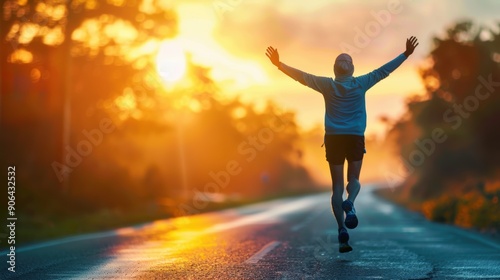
[171,61]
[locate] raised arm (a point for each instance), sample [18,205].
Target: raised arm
[293,73]
[319,84]
[381,73]
[411,44]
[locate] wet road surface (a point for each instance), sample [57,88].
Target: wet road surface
[293,238]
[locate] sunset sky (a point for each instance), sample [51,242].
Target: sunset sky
[230,37]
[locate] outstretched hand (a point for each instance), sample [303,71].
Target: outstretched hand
[273,56]
[411,44]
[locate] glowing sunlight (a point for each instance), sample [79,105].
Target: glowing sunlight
[171,61]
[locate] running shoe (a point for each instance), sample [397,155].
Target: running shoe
[343,235]
[344,247]
[351,221]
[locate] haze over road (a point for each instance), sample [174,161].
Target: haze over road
[293,238]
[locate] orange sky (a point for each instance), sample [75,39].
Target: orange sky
[231,36]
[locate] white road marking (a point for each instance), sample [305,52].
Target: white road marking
[471,235]
[78,238]
[271,215]
[65,240]
[275,214]
[262,252]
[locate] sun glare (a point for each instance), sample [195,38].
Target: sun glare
[171,61]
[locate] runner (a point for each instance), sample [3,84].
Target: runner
[345,124]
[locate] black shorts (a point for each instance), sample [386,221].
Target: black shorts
[341,147]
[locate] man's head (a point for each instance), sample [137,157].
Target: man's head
[343,66]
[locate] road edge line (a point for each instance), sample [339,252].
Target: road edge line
[263,252]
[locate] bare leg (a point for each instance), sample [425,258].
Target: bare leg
[353,185]
[337,173]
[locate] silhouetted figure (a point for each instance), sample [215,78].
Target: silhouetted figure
[345,124]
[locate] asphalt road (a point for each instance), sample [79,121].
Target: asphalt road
[292,238]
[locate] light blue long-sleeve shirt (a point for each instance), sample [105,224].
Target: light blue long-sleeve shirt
[345,96]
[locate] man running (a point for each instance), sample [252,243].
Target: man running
[345,124]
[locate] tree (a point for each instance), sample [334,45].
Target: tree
[52,57]
[462,83]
